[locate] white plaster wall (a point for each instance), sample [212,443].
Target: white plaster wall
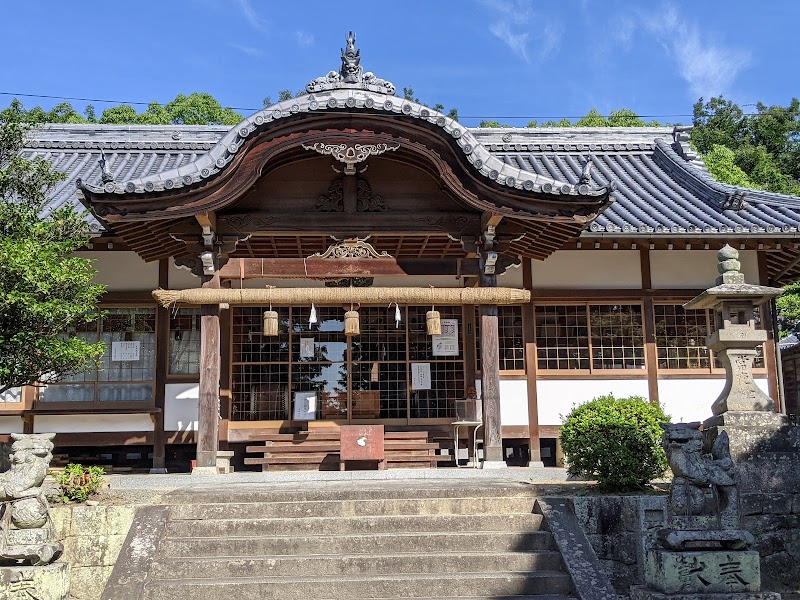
[556,397]
[181,279]
[587,269]
[91,423]
[181,406]
[10,424]
[690,400]
[512,278]
[513,402]
[670,269]
[123,271]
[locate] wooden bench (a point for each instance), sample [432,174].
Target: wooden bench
[313,450]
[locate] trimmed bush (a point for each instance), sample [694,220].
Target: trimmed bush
[78,482]
[616,442]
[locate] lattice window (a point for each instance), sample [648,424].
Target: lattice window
[617,336]
[115,381]
[184,341]
[510,341]
[562,337]
[372,367]
[681,337]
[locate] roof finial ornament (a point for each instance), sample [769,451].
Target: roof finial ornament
[105,170]
[586,177]
[351,74]
[351,70]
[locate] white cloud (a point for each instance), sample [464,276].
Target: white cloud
[251,15]
[304,39]
[246,49]
[708,67]
[510,24]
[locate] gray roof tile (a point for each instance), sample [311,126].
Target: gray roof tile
[658,191]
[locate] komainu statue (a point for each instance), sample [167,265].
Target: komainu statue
[26,536]
[703,497]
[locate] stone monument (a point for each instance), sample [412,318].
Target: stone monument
[704,553]
[27,545]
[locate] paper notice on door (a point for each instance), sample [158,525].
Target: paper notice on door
[420,376]
[306,347]
[446,344]
[305,406]
[125,351]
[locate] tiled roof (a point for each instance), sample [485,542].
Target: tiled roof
[659,191]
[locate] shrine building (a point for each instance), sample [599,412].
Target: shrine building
[349,257]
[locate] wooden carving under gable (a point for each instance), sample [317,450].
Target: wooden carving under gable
[334,199]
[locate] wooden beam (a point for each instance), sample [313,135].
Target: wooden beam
[490,380]
[207,219]
[338,224]
[162,362]
[529,340]
[650,350]
[208,411]
[331,268]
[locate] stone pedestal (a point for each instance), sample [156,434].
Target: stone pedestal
[50,582]
[702,571]
[764,447]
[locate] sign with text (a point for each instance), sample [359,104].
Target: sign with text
[306,347]
[123,351]
[420,376]
[446,344]
[305,406]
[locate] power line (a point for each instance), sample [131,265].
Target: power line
[482,117]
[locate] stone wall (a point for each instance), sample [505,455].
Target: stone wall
[774,520]
[92,538]
[619,529]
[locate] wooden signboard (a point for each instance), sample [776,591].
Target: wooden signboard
[361,442]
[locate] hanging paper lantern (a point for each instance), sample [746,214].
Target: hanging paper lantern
[270,323]
[434,322]
[351,324]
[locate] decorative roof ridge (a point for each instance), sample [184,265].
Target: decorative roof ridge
[221,154]
[351,74]
[730,197]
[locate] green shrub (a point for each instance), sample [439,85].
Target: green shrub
[616,442]
[78,482]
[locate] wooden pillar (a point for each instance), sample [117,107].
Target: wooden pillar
[490,380]
[208,413]
[162,361]
[770,348]
[529,340]
[649,325]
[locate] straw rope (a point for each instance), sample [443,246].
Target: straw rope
[323,296]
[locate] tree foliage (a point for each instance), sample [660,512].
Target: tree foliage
[44,290]
[765,146]
[788,305]
[615,441]
[198,108]
[408,94]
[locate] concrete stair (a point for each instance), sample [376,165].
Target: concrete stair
[336,542]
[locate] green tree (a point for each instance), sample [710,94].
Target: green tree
[44,289]
[788,305]
[765,145]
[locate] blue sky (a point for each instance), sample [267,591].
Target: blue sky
[491,59]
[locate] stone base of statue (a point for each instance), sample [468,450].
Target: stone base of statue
[48,582]
[764,447]
[702,575]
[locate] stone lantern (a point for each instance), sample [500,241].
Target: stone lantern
[736,338]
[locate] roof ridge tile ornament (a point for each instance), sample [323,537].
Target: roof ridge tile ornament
[680,142]
[351,74]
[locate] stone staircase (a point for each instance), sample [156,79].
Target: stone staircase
[378,540]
